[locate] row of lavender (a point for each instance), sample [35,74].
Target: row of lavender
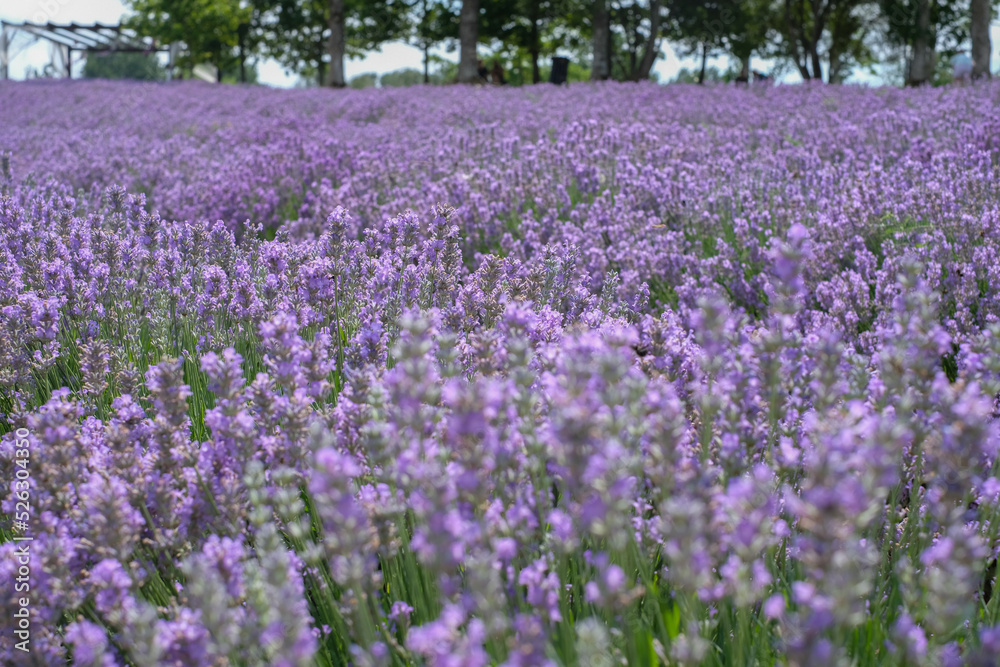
[473,434]
[682,191]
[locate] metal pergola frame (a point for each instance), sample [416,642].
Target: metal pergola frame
[67,38]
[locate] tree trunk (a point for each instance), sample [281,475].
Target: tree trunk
[744,76]
[602,42]
[336,46]
[821,12]
[803,62]
[797,40]
[536,74]
[243,56]
[243,33]
[425,45]
[652,43]
[836,72]
[704,63]
[468,36]
[980,29]
[817,63]
[923,48]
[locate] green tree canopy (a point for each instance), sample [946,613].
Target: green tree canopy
[402,78]
[366,80]
[120,65]
[211,29]
[295,32]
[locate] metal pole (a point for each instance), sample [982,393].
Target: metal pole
[4,56]
[172,60]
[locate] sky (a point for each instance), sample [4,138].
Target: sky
[26,55]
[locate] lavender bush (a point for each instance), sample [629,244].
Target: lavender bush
[580,376]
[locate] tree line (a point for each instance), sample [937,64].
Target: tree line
[615,39]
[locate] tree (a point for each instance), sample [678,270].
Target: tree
[748,32]
[848,46]
[118,65]
[980,29]
[297,33]
[831,30]
[423,37]
[919,31]
[241,72]
[738,27]
[652,48]
[712,74]
[468,37]
[922,62]
[294,32]
[337,45]
[636,38]
[402,78]
[533,27]
[700,28]
[433,22]
[602,42]
[913,25]
[634,30]
[211,29]
[362,81]
[430,26]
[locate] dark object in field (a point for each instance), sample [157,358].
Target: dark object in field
[496,75]
[484,74]
[560,70]
[988,579]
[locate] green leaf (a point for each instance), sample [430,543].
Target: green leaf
[672,620]
[654,660]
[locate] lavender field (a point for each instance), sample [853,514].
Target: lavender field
[591,375]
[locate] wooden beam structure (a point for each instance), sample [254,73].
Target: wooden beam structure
[74,37]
